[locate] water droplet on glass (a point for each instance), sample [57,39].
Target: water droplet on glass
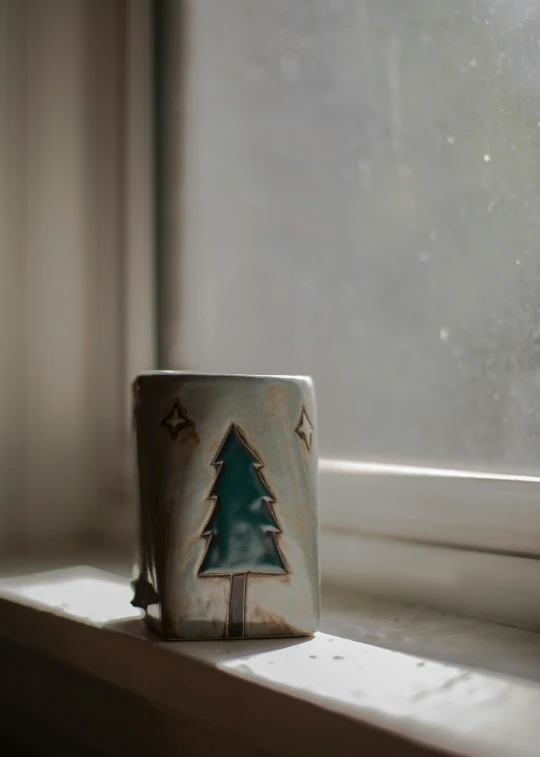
[364,169]
[404,171]
[451,139]
[472,63]
[298,41]
[254,71]
[255,197]
[444,334]
[290,67]
[346,171]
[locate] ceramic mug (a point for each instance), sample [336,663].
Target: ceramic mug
[228,512]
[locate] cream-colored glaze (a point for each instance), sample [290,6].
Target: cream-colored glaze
[177,477]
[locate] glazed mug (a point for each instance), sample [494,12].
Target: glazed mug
[228,510]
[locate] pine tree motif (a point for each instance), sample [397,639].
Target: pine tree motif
[242,529]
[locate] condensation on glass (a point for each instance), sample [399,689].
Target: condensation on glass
[357,197]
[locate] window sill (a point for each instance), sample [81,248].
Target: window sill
[77,658]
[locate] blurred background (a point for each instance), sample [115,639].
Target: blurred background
[345,188]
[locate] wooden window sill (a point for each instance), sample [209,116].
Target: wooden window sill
[78,660]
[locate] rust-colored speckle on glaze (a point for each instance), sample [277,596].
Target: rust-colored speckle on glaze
[273,620]
[274,398]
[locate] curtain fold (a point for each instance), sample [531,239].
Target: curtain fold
[76,312]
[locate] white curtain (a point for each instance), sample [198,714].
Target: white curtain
[76,271]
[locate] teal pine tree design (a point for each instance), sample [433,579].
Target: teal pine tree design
[242,527]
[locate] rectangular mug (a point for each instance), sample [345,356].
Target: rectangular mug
[228,506]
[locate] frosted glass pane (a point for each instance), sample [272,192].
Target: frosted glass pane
[353,190]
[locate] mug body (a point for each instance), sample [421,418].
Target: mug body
[228,509]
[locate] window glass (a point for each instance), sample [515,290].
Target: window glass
[358,197]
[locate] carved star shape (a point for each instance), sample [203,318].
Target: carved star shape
[144,593]
[305,429]
[176,419]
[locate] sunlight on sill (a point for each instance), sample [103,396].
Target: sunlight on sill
[447,705]
[92,599]
[362,677]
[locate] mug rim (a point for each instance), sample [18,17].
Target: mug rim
[205,374]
